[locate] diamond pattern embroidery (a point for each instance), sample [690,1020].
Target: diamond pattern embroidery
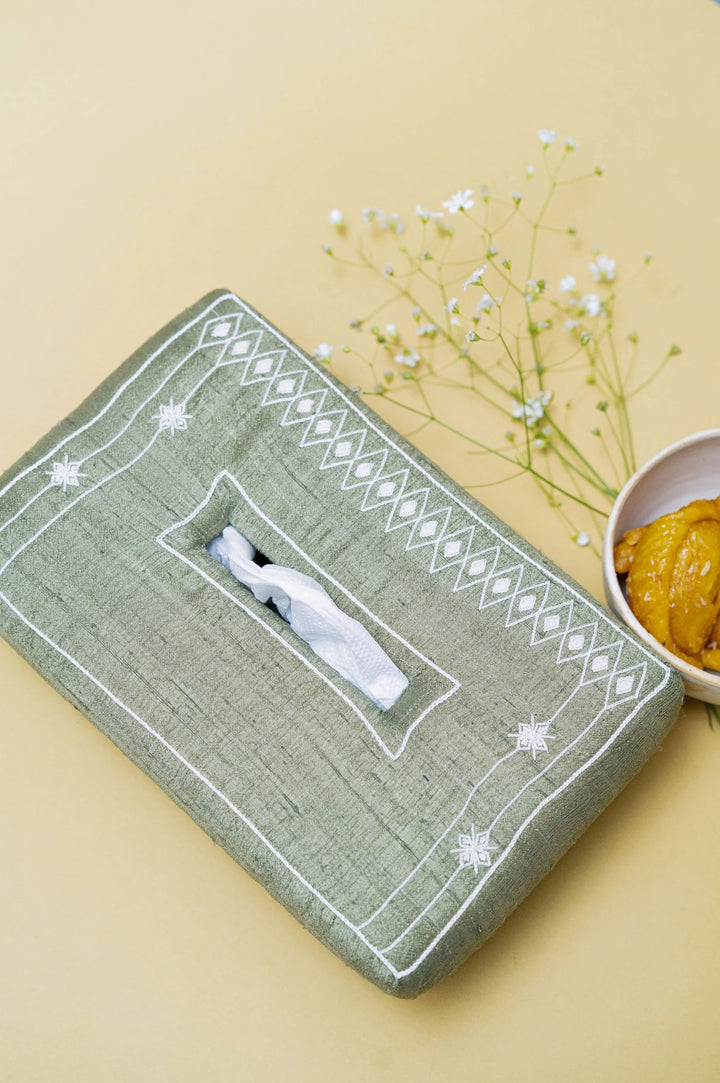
[428,528]
[323,428]
[476,568]
[343,449]
[284,386]
[364,469]
[304,407]
[263,367]
[452,549]
[451,542]
[220,330]
[407,508]
[241,349]
[386,489]
[626,685]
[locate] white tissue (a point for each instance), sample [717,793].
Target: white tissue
[338,639]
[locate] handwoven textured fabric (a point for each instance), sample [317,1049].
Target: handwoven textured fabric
[400,838]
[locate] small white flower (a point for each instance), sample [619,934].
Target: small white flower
[582,539]
[546,136]
[543,438]
[452,305]
[476,276]
[571,144]
[602,268]
[591,304]
[455,321]
[517,198]
[428,330]
[460,201]
[335,218]
[486,303]
[391,331]
[530,171]
[568,284]
[389,270]
[323,352]
[407,357]
[570,325]
[384,221]
[534,409]
[536,289]
[425,215]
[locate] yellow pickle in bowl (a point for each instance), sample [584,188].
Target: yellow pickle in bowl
[673,580]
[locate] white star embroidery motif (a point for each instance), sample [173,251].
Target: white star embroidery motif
[533,736]
[172,416]
[65,473]
[474,849]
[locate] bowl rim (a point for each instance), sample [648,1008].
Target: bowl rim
[612,582]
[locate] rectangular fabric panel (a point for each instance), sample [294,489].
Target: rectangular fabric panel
[402,838]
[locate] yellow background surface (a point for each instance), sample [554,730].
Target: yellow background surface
[155,150]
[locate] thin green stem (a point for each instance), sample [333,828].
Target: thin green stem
[478,443]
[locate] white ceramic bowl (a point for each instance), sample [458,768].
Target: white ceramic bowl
[685,471]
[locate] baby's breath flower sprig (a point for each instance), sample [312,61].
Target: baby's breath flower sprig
[474,316]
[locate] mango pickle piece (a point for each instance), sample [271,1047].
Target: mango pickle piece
[648,581]
[694,586]
[714,637]
[711,658]
[693,659]
[624,551]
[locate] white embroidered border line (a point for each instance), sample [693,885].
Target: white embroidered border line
[528,820]
[461,813]
[567,586]
[421,915]
[490,827]
[25,506]
[97,451]
[317,894]
[82,496]
[126,426]
[193,770]
[418,654]
[115,396]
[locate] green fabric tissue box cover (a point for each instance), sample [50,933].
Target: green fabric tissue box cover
[402,839]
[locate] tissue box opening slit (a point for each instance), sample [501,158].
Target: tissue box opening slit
[340,640]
